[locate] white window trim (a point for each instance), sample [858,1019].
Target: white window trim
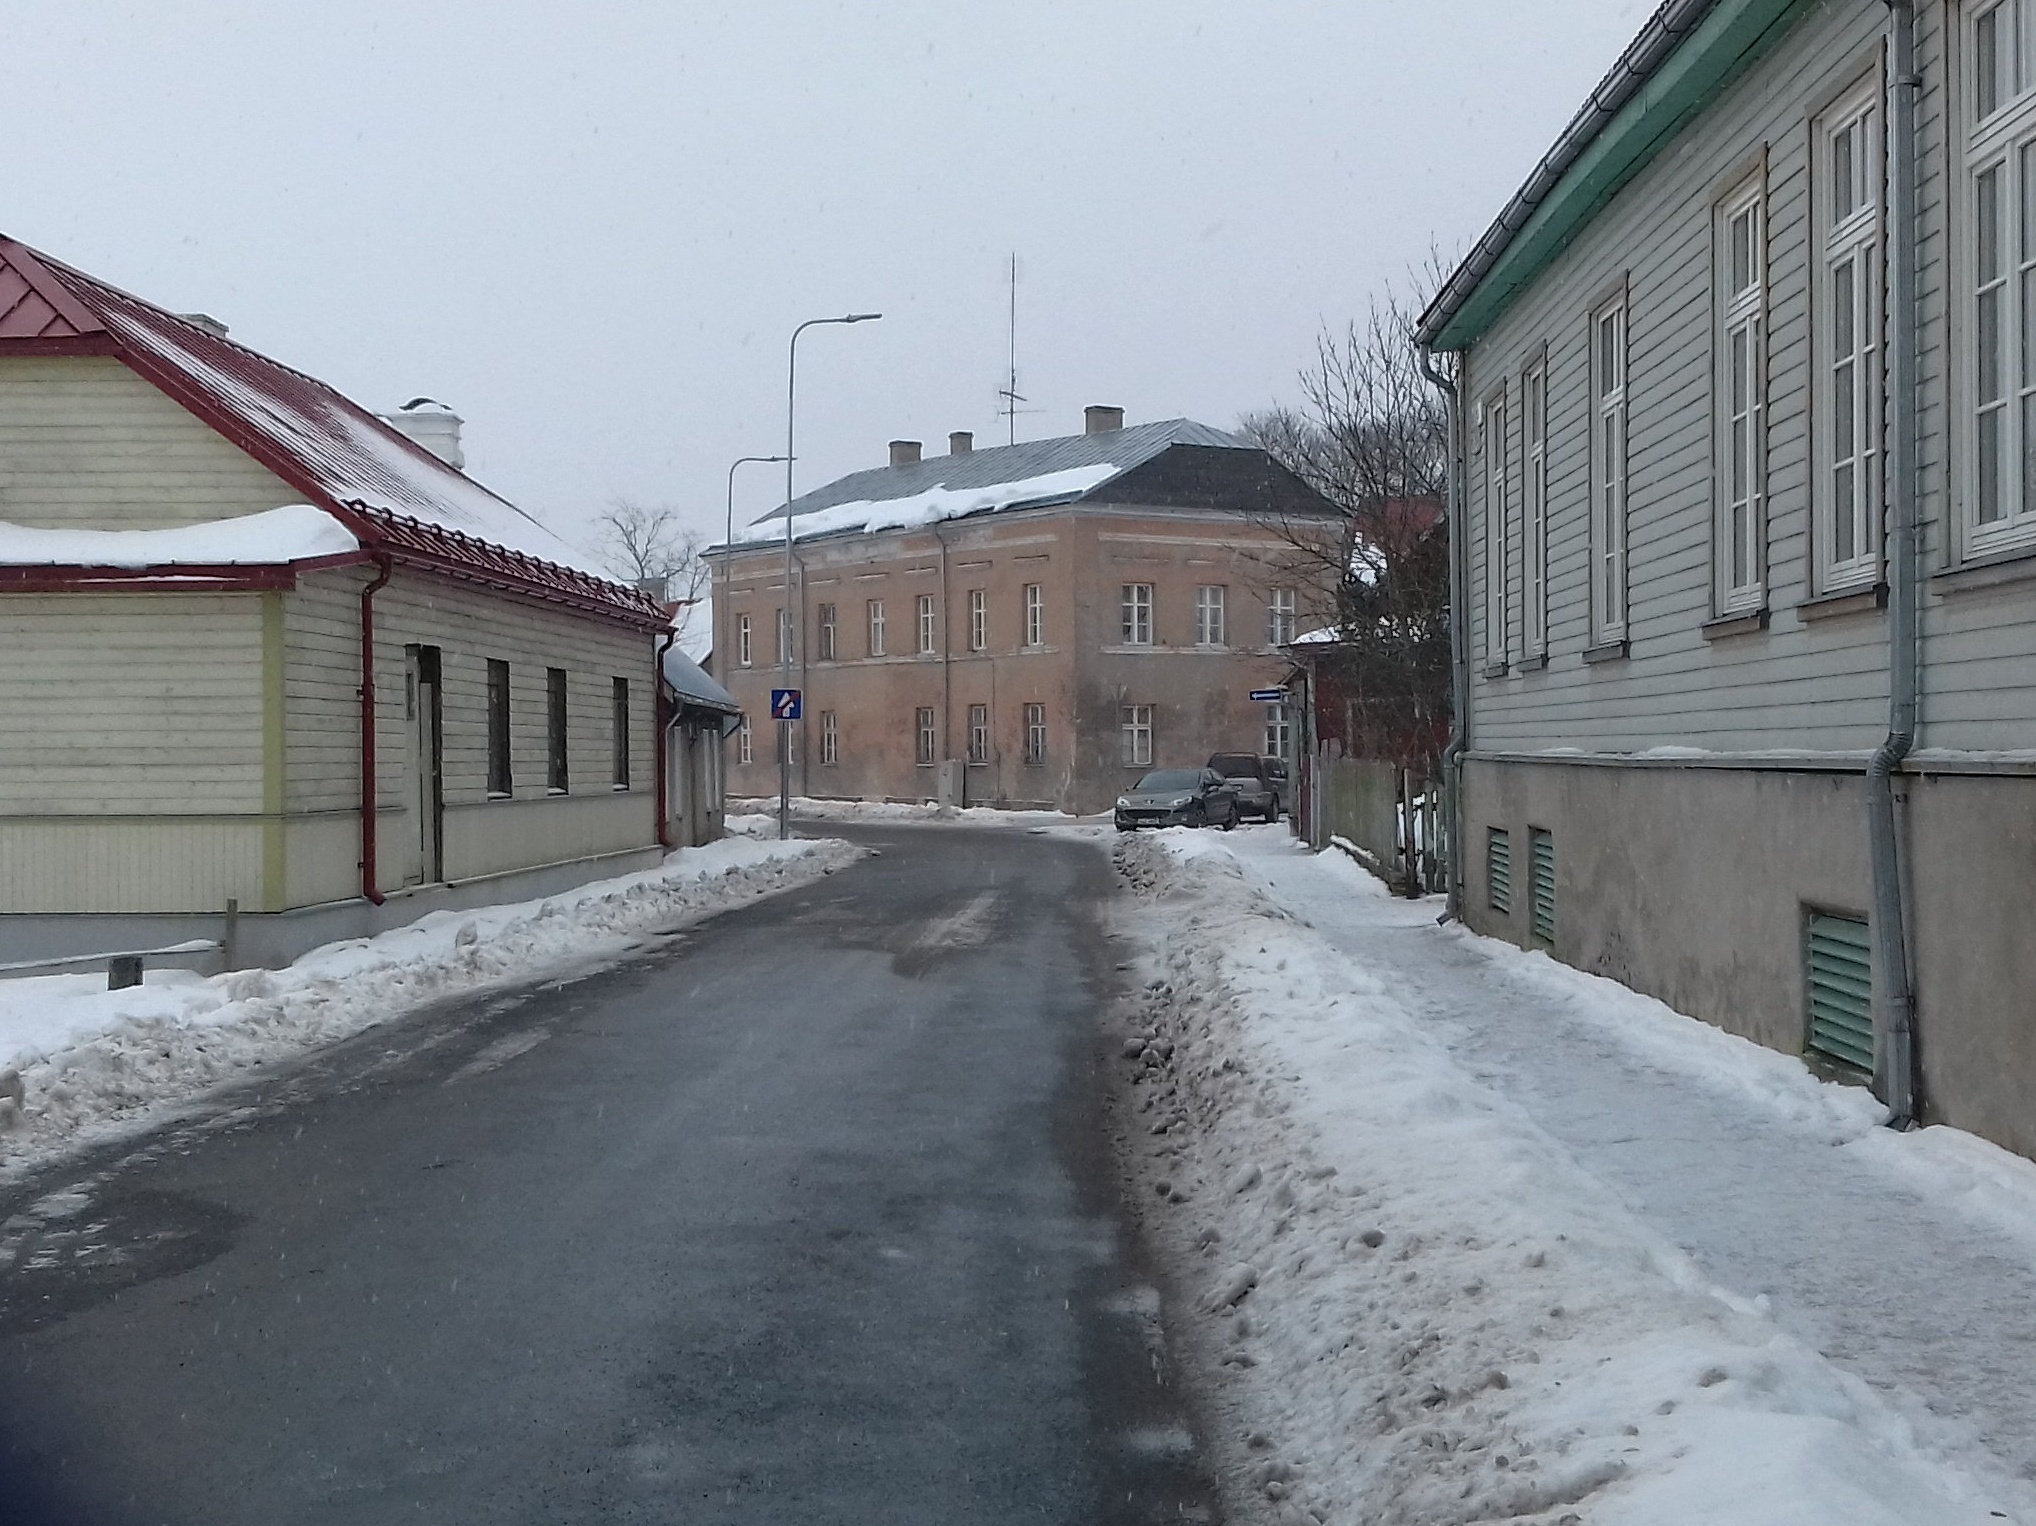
[1534,508]
[874,612]
[1495,446]
[1739,536]
[1280,617]
[979,619]
[1854,240]
[1212,615]
[1135,723]
[1135,610]
[926,740]
[1035,615]
[979,735]
[1035,733]
[743,743]
[1608,456]
[742,640]
[929,626]
[830,739]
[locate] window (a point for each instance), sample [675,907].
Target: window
[830,739]
[826,653]
[928,630]
[784,635]
[1492,441]
[742,743]
[1279,733]
[1136,603]
[1035,615]
[1847,335]
[929,739]
[618,740]
[876,627]
[979,619]
[1608,473]
[788,743]
[742,652]
[979,733]
[1209,623]
[2000,511]
[1136,723]
[1739,422]
[499,786]
[1534,509]
[1499,870]
[1035,733]
[1280,622]
[555,730]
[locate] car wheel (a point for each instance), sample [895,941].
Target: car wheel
[1199,816]
[1230,820]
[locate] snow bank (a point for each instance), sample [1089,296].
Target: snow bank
[293,533]
[77,1056]
[936,503]
[765,811]
[1420,1307]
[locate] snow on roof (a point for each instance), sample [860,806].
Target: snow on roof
[938,502]
[295,533]
[692,683]
[1317,638]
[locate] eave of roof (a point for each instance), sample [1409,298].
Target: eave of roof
[1686,55]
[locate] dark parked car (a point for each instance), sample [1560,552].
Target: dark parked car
[1178,797]
[1259,782]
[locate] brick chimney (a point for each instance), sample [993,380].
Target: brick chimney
[960,442]
[904,452]
[1098,419]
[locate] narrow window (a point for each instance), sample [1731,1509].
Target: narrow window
[929,630]
[784,636]
[742,742]
[1494,443]
[979,619]
[1608,473]
[618,777]
[929,738]
[1035,615]
[1135,600]
[826,653]
[1279,733]
[1209,609]
[1740,423]
[1848,378]
[876,625]
[1035,733]
[1137,732]
[499,783]
[830,739]
[742,652]
[1280,617]
[1534,509]
[979,733]
[555,730]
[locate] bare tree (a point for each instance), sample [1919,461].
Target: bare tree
[1370,434]
[647,542]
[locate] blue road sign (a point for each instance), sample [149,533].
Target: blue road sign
[784,704]
[1269,696]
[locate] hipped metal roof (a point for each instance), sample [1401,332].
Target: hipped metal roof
[1683,59]
[399,499]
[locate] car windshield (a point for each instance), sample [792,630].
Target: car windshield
[1170,778]
[1237,766]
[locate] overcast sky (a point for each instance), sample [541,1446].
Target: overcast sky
[590,228]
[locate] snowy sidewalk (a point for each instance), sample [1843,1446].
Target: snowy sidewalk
[1489,1239]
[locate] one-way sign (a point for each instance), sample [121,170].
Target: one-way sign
[1269,696]
[784,704]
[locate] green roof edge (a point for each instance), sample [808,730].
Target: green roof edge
[1734,37]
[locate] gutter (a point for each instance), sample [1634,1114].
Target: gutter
[370,802]
[662,724]
[1459,639]
[1887,929]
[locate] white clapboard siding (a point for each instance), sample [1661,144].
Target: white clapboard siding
[86,443]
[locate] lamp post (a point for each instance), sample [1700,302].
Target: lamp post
[788,621]
[727,564]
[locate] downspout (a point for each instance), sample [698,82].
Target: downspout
[1888,931]
[946,657]
[1459,642]
[662,724]
[805,683]
[370,801]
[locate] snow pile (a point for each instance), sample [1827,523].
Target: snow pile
[296,532]
[76,1055]
[936,503]
[1423,1309]
[810,808]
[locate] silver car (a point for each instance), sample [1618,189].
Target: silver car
[1178,797]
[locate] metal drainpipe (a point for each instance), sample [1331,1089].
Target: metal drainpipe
[660,754]
[805,684]
[1459,642]
[946,662]
[370,795]
[1888,930]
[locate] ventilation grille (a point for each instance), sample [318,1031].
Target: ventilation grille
[1542,845]
[1841,991]
[1499,870]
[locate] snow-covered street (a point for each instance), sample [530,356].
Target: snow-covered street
[1485,1238]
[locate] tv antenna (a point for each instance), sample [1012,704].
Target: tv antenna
[1008,396]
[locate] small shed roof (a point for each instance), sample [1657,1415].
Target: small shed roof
[694,686]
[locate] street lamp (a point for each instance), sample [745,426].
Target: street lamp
[788,622]
[727,662]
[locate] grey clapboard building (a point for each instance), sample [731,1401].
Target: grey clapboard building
[1746,403]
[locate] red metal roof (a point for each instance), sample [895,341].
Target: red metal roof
[398,497]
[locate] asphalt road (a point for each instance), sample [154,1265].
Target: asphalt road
[804,1215]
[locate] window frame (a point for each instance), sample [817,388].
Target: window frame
[1852,238]
[926,742]
[979,619]
[1739,396]
[785,653]
[1609,403]
[927,611]
[830,739]
[744,743]
[1495,457]
[1035,615]
[1279,731]
[873,632]
[1282,616]
[743,654]
[824,634]
[1534,507]
[618,721]
[1035,733]
[979,735]
[1212,615]
[557,733]
[501,735]
[1135,730]
[1134,607]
